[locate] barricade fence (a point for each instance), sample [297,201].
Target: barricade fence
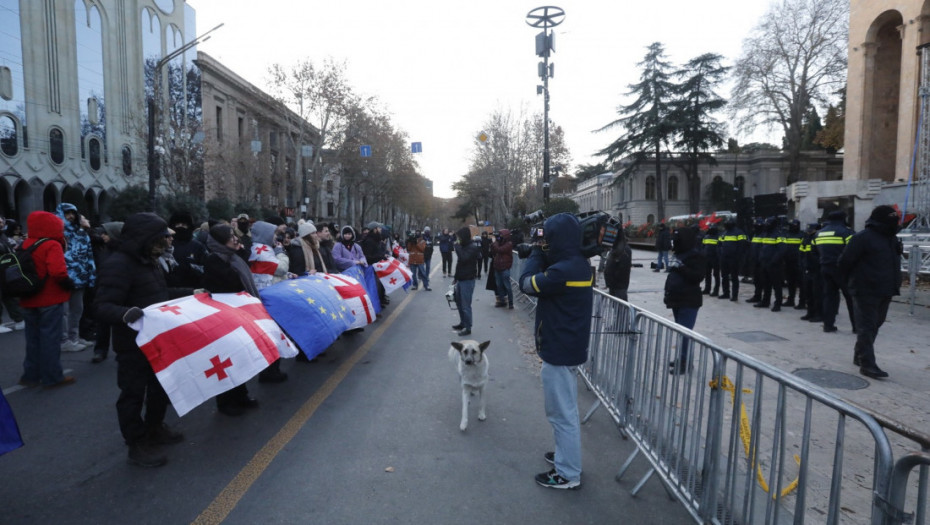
[739,441]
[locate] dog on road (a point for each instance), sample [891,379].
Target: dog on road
[472,366]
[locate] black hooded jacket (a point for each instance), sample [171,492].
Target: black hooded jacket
[132,278]
[872,261]
[683,284]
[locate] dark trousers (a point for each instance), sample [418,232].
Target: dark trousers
[235,396]
[446,263]
[832,287]
[713,270]
[758,280]
[793,279]
[772,277]
[870,312]
[102,343]
[813,284]
[729,273]
[140,392]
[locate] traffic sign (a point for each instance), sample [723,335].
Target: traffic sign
[416,147]
[364,151]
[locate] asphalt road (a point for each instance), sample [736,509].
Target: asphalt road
[368,434]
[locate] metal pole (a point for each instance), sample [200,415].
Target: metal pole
[546,125]
[152,163]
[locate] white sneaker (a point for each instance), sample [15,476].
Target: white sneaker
[19,326]
[4,330]
[85,342]
[71,346]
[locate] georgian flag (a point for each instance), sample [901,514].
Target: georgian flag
[404,256]
[263,263]
[355,297]
[202,345]
[392,273]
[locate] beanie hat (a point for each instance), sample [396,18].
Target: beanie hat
[181,217]
[373,224]
[884,214]
[222,233]
[426,229]
[306,229]
[275,219]
[837,215]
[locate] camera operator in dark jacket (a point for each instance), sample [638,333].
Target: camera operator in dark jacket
[558,274]
[131,280]
[683,288]
[872,263]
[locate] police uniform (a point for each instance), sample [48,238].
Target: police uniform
[811,283]
[731,246]
[829,243]
[755,269]
[709,246]
[793,238]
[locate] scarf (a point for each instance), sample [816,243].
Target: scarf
[229,256]
[310,248]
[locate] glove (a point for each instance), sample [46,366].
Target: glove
[132,315]
[67,284]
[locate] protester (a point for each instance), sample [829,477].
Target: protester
[7,245]
[618,267]
[130,280]
[43,312]
[466,268]
[428,252]
[683,289]
[304,252]
[226,272]
[558,274]
[79,256]
[872,263]
[663,245]
[111,239]
[189,253]
[416,247]
[501,251]
[268,264]
[446,242]
[347,252]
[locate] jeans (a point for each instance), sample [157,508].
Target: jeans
[71,320]
[463,293]
[560,392]
[504,286]
[43,344]
[663,256]
[420,269]
[686,317]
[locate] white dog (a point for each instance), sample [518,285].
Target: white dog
[472,366]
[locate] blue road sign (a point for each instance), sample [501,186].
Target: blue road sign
[364,151]
[416,147]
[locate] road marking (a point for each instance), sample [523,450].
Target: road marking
[16,388]
[226,501]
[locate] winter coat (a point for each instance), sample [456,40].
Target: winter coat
[774,250]
[415,252]
[618,266]
[685,272]
[663,240]
[131,277]
[49,258]
[79,253]
[428,252]
[345,254]
[872,261]
[190,255]
[830,241]
[732,243]
[263,239]
[467,253]
[446,241]
[373,247]
[485,246]
[502,251]
[562,280]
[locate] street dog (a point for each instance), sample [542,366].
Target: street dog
[472,366]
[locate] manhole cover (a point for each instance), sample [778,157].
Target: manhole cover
[831,378]
[755,337]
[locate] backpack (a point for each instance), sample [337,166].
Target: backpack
[18,275]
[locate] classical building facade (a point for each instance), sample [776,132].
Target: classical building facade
[73,84]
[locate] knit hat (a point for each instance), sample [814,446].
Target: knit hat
[222,233]
[884,214]
[243,216]
[306,229]
[373,224]
[426,229]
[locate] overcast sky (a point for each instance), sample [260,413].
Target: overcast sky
[441,68]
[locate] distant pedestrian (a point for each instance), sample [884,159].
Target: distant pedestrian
[79,256]
[416,246]
[663,245]
[683,290]
[446,242]
[428,252]
[466,268]
[502,260]
[872,263]
[618,267]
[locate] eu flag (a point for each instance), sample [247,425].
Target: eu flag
[310,310]
[9,431]
[369,280]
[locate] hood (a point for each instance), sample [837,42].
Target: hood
[139,230]
[44,224]
[464,235]
[505,234]
[114,229]
[684,240]
[65,207]
[263,232]
[563,235]
[343,232]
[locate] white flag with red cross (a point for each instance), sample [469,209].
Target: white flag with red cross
[392,273]
[355,298]
[202,345]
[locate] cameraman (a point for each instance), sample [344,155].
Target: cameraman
[558,274]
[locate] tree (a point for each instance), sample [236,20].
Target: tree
[795,58]
[810,129]
[832,134]
[587,171]
[698,131]
[648,122]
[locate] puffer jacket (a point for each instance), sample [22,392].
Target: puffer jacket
[502,251]
[562,279]
[347,253]
[49,258]
[131,277]
[415,251]
[685,272]
[79,252]
[265,274]
[466,253]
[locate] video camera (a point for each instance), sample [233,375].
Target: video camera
[598,231]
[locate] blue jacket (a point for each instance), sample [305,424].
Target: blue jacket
[562,280]
[79,254]
[446,240]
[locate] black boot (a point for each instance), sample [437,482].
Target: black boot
[142,455]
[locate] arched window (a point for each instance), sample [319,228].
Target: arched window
[127,161]
[740,184]
[93,145]
[650,188]
[673,188]
[9,139]
[650,219]
[56,145]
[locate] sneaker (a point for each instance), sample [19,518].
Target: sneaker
[464,331]
[71,346]
[142,455]
[5,330]
[549,457]
[99,357]
[162,435]
[413,287]
[67,380]
[28,384]
[552,480]
[829,329]
[873,371]
[427,288]
[18,326]
[85,342]
[458,326]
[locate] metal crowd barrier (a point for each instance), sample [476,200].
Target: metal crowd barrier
[739,441]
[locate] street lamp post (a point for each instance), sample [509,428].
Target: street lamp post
[154,111]
[545,17]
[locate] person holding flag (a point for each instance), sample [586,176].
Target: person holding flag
[269,265]
[130,280]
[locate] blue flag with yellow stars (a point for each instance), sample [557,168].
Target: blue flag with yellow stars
[368,279]
[9,432]
[309,310]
